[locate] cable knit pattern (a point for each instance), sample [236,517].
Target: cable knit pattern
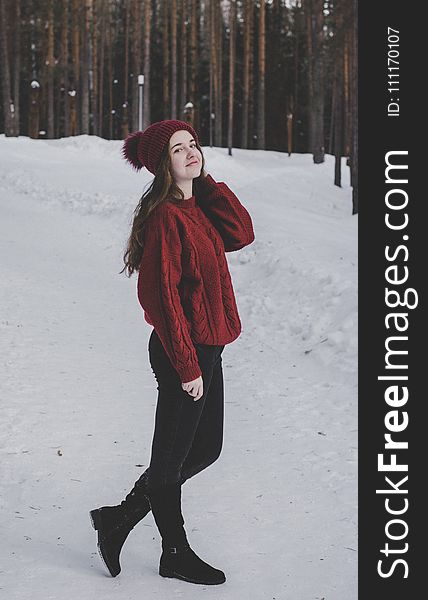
[227,214]
[184,284]
[229,303]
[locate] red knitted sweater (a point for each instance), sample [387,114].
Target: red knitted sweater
[184,284]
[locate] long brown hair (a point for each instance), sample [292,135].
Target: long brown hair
[162,189]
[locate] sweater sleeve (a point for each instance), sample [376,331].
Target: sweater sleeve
[226,213]
[158,279]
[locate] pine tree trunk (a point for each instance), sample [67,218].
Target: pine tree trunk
[183,62]
[338,124]
[218,88]
[173,59]
[165,48]
[34,111]
[74,99]
[232,58]
[261,140]
[248,9]
[95,69]
[17,68]
[6,87]
[33,106]
[90,35]
[65,129]
[194,120]
[147,61]
[346,85]
[101,68]
[252,96]
[50,71]
[220,70]
[213,75]
[310,59]
[125,114]
[136,60]
[354,106]
[109,49]
[290,130]
[333,110]
[296,97]
[275,58]
[85,69]
[318,84]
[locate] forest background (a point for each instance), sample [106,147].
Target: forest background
[255,74]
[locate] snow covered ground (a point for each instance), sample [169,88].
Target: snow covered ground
[278,511]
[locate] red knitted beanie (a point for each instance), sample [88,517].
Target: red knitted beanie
[144,148]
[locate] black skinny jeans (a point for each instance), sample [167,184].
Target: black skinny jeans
[188,435]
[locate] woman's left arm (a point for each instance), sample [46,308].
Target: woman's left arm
[226,213]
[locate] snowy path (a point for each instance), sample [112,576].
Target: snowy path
[277,511]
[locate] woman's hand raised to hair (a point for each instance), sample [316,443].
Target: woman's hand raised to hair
[194,388]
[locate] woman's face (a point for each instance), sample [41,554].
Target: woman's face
[186,160]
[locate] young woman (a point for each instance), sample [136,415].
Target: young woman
[182,227]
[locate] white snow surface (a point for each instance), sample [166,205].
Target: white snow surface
[278,510]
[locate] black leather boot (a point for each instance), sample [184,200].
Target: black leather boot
[114,523]
[183,563]
[178,559]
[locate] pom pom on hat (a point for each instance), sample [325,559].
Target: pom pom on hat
[130,149]
[144,148]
